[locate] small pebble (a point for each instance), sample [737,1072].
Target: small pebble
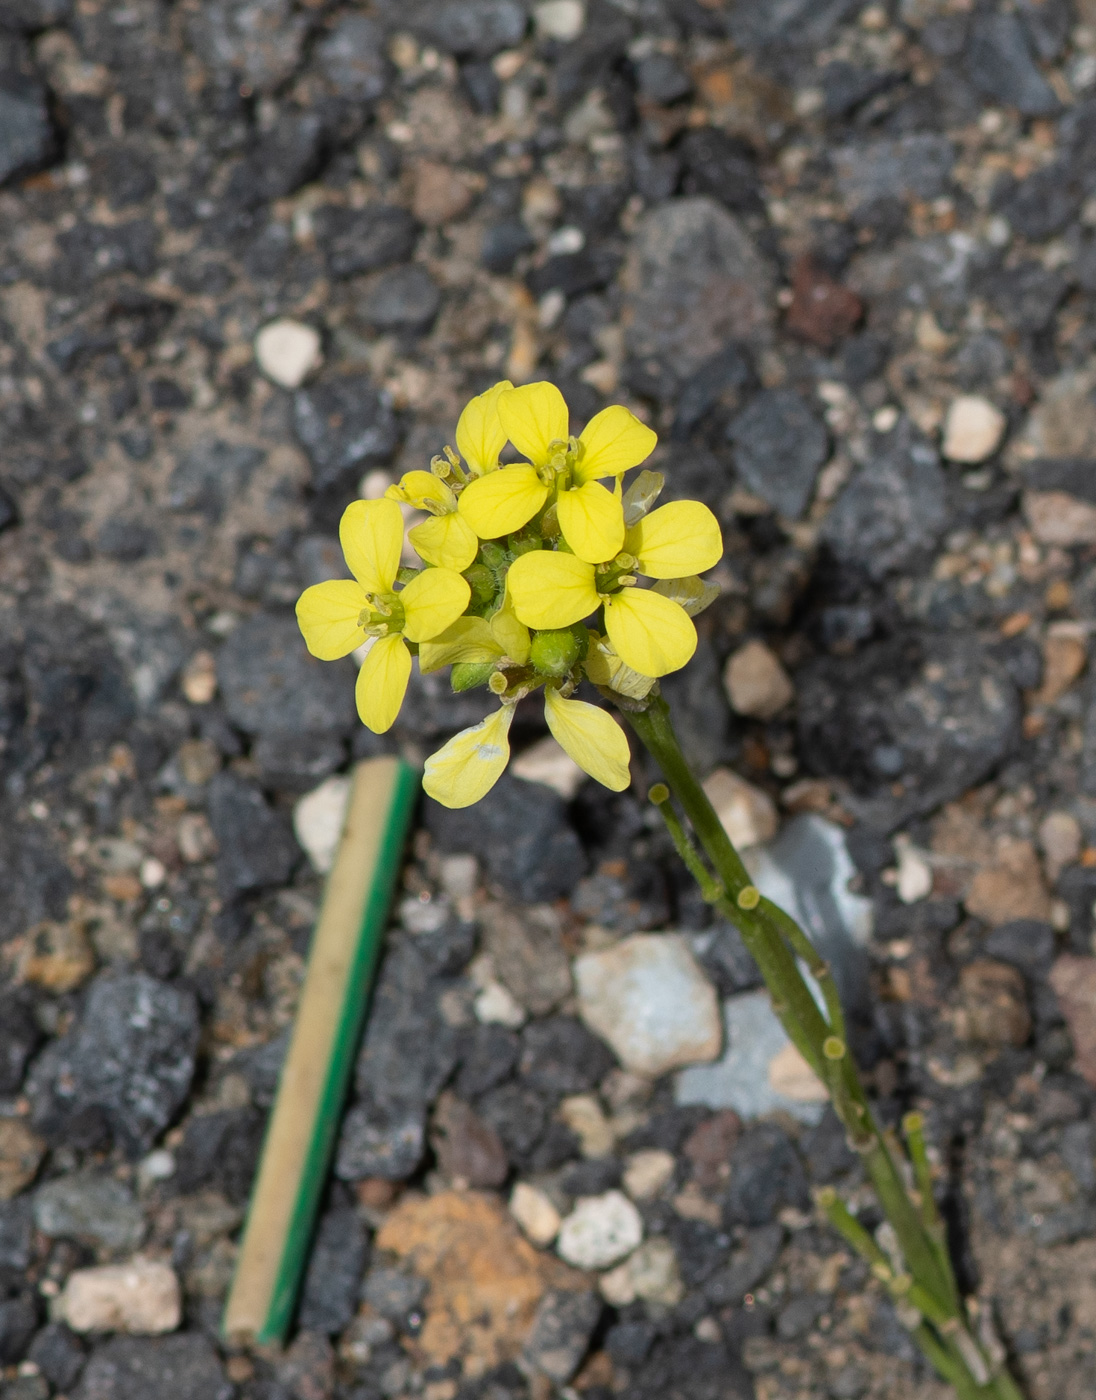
[651,1274]
[600,1231]
[140,1296]
[199,679]
[747,813]
[560,19]
[1061,839]
[287,352]
[647,1172]
[318,821]
[535,1213]
[546,762]
[757,684]
[496,1006]
[914,872]
[973,429]
[583,1114]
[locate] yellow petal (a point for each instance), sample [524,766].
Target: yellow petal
[371,535]
[432,602]
[480,434]
[551,589]
[511,635]
[692,593]
[650,634]
[382,683]
[327,614]
[447,541]
[592,738]
[534,416]
[503,501]
[592,521]
[471,763]
[613,442]
[675,540]
[467,639]
[604,667]
[423,490]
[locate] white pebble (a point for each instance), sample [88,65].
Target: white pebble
[914,872]
[535,1213]
[546,762]
[757,684]
[973,429]
[560,19]
[647,1172]
[318,821]
[651,1274]
[140,1296]
[287,352]
[495,1006]
[600,1231]
[747,814]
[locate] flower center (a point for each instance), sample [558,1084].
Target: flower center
[383,616]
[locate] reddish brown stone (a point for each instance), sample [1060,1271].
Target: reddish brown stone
[709,1148]
[822,311]
[994,1008]
[468,1149]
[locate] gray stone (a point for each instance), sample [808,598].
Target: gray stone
[894,510]
[760,24]
[20,1035]
[18,1321]
[562,1327]
[362,240]
[37,882]
[58,1355]
[272,686]
[344,425]
[92,1208]
[747,1266]
[255,844]
[467,1148]
[695,282]
[875,718]
[1001,64]
[404,299]
[329,1296]
[16,1236]
[779,446]
[740,1080]
[130,1057]
[393,1294]
[908,167]
[352,59]
[527,953]
[211,475]
[766,1175]
[468,28]
[258,39]
[26,136]
[34,14]
[381,1142]
[183,1367]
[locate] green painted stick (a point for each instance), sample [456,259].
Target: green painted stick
[301,1132]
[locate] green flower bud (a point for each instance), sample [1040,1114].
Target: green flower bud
[554,653]
[466,675]
[481,580]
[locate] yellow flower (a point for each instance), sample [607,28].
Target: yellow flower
[591,519]
[446,539]
[337,616]
[471,763]
[650,633]
[480,434]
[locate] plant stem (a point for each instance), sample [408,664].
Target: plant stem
[775,941]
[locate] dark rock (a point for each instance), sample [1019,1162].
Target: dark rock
[392,1294]
[874,719]
[59,1356]
[698,284]
[721,166]
[297,762]
[18,1324]
[20,1036]
[467,1148]
[1076,1221]
[723,956]
[629,1343]
[702,716]
[256,848]
[519,1117]
[291,153]
[1024,943]
[826,1150]
[351,58]
[306,1371]
[562,1327]
[905,167]
[26,135]
[560,1056]
[521,832]
[405,299]
[1048,23]
[92,1208]
[354,241]
[488,1054]
[761,24]
[1000,63]
[222,1150]
[329,1296]
[656,174]
[575,273]
[344,425]
[718,384]
[211,475]
[822,311]
[895,508]
[1027,295]
[99,250]
[700,1250]
[503,244]
[9,511]
[684,1368]
[126,541]
[272,686]
[593,1176]
[29,15]
[766,1176]
[660,79]
[1043,204]
[846,87]
[130,1056]
[748,1265]
[469,28]
[261,1066]
[799,1316]
[183,1367]
[710,1146]
[258,41]
[385,1142]
[1078,1150]
[779,447]
[16,1238]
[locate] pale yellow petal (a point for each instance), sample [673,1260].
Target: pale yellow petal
[534,416]
[471,763]
[467,639]
[592,521]
[613,442]
[447,541]
[432,602]
[692,593]
[424,491]
[505,500]
[651,634]
[480,434]
[371,535]
[328,615]
[382,683]
[511,635]
[677,539]
[592,737]
[551,589]
[604,667]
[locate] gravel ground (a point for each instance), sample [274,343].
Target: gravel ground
[843,258]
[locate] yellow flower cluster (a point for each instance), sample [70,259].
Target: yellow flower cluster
[531,579]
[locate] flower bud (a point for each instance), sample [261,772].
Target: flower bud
[482,583]
[466,675]
[555,653]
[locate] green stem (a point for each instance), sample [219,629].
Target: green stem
[775,941]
